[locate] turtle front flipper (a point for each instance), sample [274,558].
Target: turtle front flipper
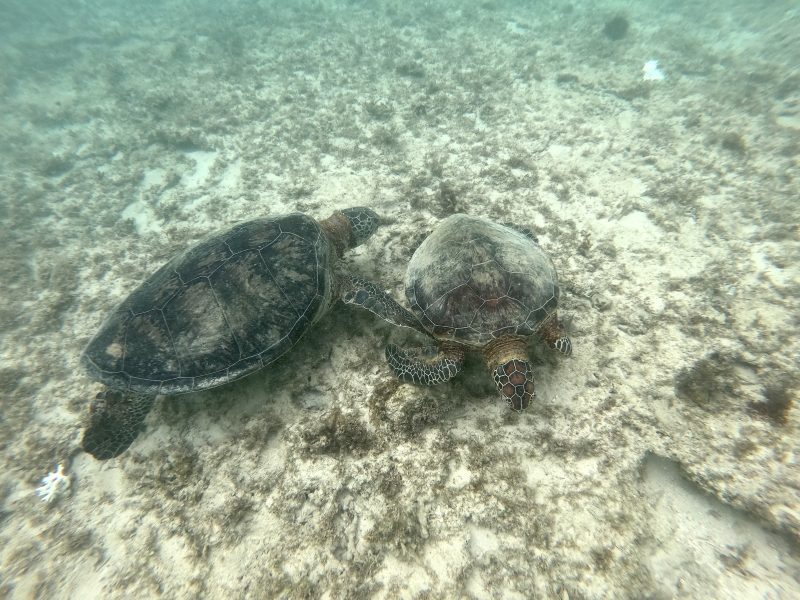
[555,335]
[428,371]
[361,292]
[116,418]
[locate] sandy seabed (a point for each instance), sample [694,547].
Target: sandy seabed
[660,461]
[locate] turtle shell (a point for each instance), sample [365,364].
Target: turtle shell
[473,280]
[221,310]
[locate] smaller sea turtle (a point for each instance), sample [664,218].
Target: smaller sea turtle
[475,284]
[221,310]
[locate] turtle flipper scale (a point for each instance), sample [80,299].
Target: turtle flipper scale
[116,418]
[555,335]
[411,369]
[365,294]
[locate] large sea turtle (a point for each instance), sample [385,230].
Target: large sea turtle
[221,310]
[475,284]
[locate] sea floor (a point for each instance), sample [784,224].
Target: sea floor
[659,461]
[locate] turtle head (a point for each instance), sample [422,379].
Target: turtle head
[514,379]
[363,223]
[507,358]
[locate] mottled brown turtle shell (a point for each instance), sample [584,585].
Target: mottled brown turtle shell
[223,309]
[472,281]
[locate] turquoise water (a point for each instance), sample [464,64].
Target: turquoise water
[652,152]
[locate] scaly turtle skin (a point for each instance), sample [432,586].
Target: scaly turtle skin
[223,309]
[474,284]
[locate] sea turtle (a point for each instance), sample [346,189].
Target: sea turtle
[475,284]
[221,310]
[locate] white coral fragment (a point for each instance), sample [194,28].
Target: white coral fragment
[652,72]
[53,485]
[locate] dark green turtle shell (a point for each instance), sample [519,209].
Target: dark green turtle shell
[473,280]
[221,310]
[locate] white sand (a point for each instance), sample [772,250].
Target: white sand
[660,461]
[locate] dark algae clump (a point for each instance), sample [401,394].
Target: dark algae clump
[616,28]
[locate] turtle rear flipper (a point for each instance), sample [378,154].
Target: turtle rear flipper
[361,292]
[116,418]
[427,371]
